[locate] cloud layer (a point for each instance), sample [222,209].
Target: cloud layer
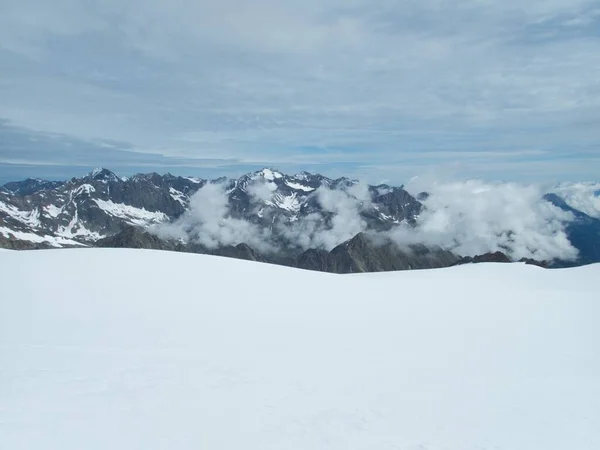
[209,223]
[474,217]
[584,197]
[342,209]
[495,89]
[470,218]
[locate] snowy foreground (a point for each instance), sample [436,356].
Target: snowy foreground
[128,349]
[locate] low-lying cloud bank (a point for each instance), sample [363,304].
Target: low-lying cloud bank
[474,217]
[584,197]
[210,223]
[343,221]
[469,218]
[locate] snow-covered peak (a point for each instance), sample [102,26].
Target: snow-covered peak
[105,175]
[194,180]
[96,171]
[269,174]
[298,186]
[302,175]
[84,189]
[307,176]
[152,177]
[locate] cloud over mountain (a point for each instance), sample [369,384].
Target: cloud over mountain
[277,213]
[474,217]
[469,217]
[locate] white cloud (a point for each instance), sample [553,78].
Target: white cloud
[469,218]
[261,190]
[475,217]
[343,208]
[263,80]
[209,223]
[584,197]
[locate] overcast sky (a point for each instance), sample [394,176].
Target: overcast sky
[380,89]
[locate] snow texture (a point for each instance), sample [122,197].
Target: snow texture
[53,210]
[133,215]
[299,187]
[29,218]
[178,196]
[84,189]
[288,202]
[269,174]
[97,171]
[133,349]
[55,241]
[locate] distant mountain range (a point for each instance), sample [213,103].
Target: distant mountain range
[83,210]
[102,209]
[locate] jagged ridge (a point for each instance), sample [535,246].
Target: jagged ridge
[100,204]
[359,254]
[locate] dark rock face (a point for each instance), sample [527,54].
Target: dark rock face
[498,257]
[398,203]
[17,244]
[240,251]
[360,254]
[364,254]
[152,192]
[533,262]
[316,259]
[134,237]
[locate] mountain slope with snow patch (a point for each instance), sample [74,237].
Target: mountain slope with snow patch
[100,204]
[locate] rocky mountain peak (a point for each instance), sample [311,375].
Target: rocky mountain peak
[105,175]
[99,205]
[269,174]
[30,186]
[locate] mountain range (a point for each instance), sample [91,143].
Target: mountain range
[162,212]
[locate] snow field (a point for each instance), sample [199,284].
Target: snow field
[127,349]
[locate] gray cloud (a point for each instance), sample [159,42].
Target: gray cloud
[266,80]
[27,153]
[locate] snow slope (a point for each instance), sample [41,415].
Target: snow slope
[130,349]
[55,241]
